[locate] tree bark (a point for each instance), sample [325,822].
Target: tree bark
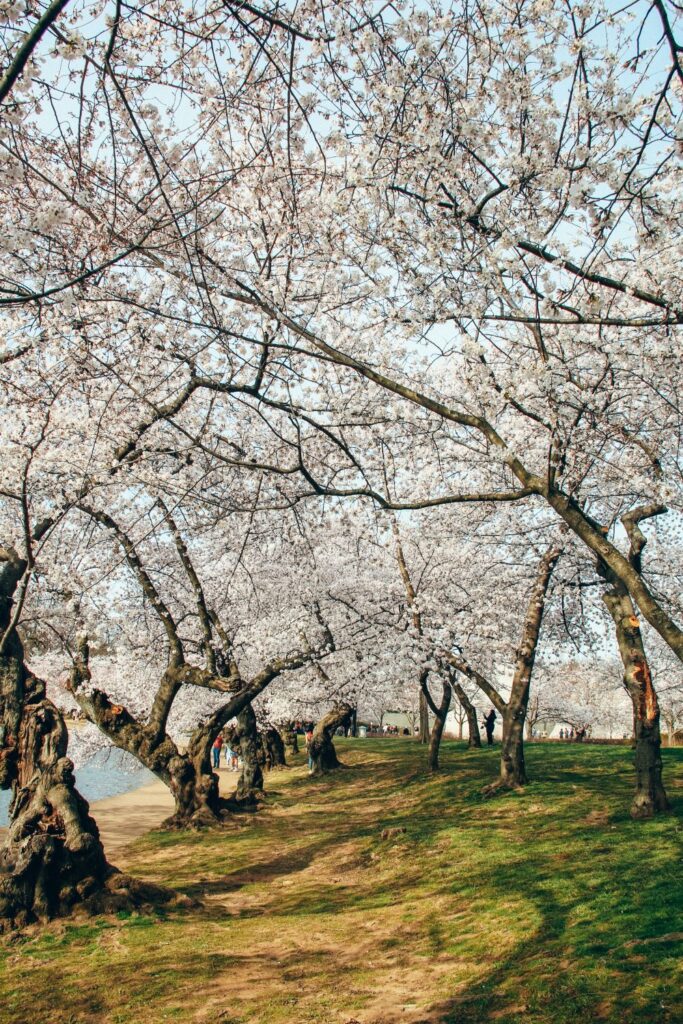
[52,857]
[440,714]
[650,796]
[273,749]
[424,716]
[321,748]
[249,792]
[512,763]
[471,712]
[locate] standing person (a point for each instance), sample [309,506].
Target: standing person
[309,739]
[234,759]
[561,734]
[216,748]
[489,724]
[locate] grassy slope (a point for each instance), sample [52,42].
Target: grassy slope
[548,906]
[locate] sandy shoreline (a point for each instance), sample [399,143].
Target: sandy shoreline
[123,818]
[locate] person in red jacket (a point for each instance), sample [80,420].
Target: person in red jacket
[216,750]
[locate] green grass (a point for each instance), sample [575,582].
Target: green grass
[546,907]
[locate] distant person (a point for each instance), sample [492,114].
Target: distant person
[234,760]
[489,724]
[217,747]
[309,740]
[561,734]
[571,733]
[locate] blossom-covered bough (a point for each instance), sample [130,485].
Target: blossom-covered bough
[187,773]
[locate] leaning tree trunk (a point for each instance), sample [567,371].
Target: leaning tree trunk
[512,763]
[471,712]
[650,796]
[273,749]
[193,785]
[440,714]
[321,748]
[249,792]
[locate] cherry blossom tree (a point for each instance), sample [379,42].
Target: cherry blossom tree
[188,774]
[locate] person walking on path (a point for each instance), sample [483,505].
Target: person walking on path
[489,724]
[217,747]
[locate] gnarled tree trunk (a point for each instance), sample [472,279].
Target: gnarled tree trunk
[52,860]
[650,796]
[273,749]
[188,775]
[249,792]
[52,857]
[321,748]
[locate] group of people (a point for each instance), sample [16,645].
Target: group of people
[232,757]
[570,734]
